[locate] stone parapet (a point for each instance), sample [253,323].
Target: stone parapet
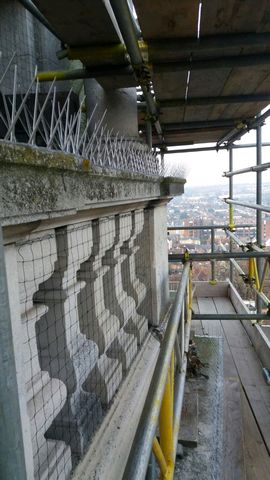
[36,184]
[87,269]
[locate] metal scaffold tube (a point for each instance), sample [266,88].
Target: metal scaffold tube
[235,264]
[206,257]
[209,227]
[215,148]
[255,168]
[254,206]
[28,5]
[248,246]
[213,263]
[142,445]
[149,138]
[124,19]
[230,316]
[235,238]
[259,201]
[180,386]
[243,128]
[231,226]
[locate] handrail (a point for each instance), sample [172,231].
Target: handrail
[252,278]
[249,251]
[254,206]
[205,257]
[255,168]
[212,229]
[209,227]
[159,403]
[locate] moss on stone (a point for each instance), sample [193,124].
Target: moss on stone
[36,156]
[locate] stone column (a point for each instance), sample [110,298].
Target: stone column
[157,217]
[120,106]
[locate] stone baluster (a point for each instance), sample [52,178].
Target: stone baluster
[124,346]
[134,287]
[97,322]
[65,352]
[46,396]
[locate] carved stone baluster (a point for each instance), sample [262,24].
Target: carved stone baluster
[124,345]
[138,324]
[64,351]
[139,286]
[96,321]
[46,396]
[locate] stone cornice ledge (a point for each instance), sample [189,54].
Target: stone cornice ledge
[36,184]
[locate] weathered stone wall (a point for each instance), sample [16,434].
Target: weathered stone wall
[86,260]
[33,45]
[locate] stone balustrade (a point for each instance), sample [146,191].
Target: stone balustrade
[82,324]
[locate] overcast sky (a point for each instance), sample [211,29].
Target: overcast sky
[206,168]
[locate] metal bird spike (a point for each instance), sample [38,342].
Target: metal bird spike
[44,121]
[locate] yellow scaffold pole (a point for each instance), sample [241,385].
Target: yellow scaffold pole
[159,457]
[166,425]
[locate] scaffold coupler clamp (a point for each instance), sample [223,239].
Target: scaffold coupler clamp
[186,256]
[247,280]
[249,246]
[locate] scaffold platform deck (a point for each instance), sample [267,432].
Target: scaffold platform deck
[246,409]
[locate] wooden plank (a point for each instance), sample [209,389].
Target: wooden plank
[233,457]
[257,461]
[235,334]
[195,306]
[249,370]
[197,326]
[198,137]
[210,327]
[206,305]
[197,113]
[231,16]
[170,84]
[206,289]
[80,23]
[265,21]
[259,400]
[188,434]
[201,79]
[248,366]
[172,115]
[236,300]
[229,368]
[223,305]
[176,18]
[254,332]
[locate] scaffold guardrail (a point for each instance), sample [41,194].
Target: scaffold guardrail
[163,406]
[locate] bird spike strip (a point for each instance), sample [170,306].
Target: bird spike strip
[51,122]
